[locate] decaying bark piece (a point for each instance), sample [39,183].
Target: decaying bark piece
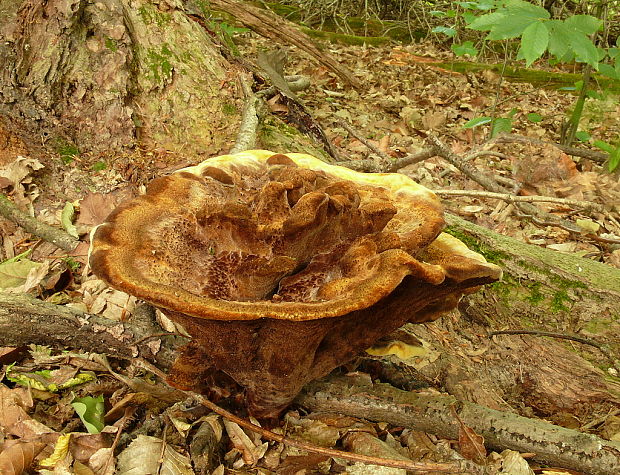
[434,414]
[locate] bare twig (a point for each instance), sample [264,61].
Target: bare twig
[385,160]
[444,152]
[563,336]
[588,205]
[480,153]
[411,159]
[598,157]
[49,233]
[295,83]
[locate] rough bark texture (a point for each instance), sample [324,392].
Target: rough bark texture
[115,73]
[435,414]
[25,320]
[541,287]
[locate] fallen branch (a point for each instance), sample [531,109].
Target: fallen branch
[25,320]
[416,467]
[586,205]
[246,136]
[295,83]
[432,413]
[49,233]
[274,27]
[598,157]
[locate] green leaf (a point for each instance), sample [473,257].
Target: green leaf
[445,30]
[66,219]
[559,34]
[606,70]
[584,49]
[614,160]
[15,273]
[438,13]
[465,48]
[487,21]
[534,42]
[604,146]
[90,410]
[582,136]
[476,121]
[485,4]
[585,24]
[518,15]
[501,124]
[468,17]
[467,5]
[534,117]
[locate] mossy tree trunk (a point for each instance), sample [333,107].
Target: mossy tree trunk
[107,75]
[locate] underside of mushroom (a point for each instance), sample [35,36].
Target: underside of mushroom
[283,267]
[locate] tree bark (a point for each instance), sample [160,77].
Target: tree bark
[436,414]
[108,75]
[25,320]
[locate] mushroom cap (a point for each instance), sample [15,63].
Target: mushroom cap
[258,234]
[282,267]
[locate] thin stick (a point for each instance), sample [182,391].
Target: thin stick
[385,160]
[563,336]
[407,465]
[59,238]
[598,157]
[469,171]
[404,464]
[527,199]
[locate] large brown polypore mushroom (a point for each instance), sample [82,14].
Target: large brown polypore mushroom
[282,267]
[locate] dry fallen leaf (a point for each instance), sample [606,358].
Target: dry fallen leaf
[17,458]
[144,454]
[95,207]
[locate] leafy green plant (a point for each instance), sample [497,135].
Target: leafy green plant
[613,151]
[498,124]
[571,39]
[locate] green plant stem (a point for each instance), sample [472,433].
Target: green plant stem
[498,91]
[568,137]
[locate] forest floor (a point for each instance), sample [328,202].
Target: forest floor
[402,93]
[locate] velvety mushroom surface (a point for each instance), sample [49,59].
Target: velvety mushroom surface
[282,267]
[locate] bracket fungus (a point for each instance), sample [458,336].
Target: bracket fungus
[282,267]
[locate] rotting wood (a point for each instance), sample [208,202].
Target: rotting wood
[25,320]
[270,25]
[433,413]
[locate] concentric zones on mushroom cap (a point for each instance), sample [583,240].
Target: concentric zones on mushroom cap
[117,241]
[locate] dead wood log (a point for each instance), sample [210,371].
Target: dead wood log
[25,320]
[434,414]
[554,290]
